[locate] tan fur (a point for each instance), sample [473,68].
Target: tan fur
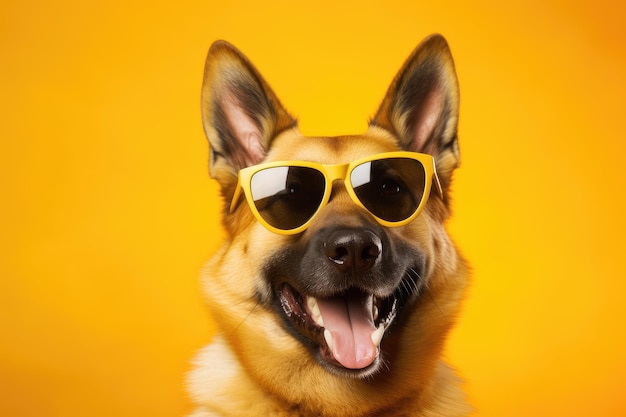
[254,367]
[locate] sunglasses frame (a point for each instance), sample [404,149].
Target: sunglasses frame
[332,173]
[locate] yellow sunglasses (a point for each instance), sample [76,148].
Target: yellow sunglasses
[286,196]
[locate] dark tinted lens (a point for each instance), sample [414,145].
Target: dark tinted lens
[391,189]
[287,197]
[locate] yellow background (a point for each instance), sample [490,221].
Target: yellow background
[107,211]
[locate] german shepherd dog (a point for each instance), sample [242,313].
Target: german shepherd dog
[337,283]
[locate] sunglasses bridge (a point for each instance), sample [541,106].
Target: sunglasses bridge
[336,172]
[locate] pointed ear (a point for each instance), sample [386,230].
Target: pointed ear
[422,105]
[240,113]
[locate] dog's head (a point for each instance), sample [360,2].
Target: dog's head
[347,284]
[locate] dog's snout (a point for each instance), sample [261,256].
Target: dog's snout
[353,250]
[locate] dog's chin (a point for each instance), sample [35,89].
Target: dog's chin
[345,332]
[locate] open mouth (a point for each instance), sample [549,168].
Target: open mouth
[347,328]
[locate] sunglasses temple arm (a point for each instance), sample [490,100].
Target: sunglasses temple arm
[235,201]
[438,184]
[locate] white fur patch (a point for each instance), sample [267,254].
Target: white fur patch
[215,368]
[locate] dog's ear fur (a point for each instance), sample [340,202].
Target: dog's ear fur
[422,105]
[240,113]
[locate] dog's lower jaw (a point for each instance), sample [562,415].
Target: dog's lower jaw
[343,332]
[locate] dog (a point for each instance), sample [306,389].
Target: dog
[337,283]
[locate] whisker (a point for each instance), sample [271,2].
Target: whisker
[436,304]
[256,304]
[411,282]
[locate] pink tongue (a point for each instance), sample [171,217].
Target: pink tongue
[351,324]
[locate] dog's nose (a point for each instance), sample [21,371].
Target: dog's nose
[353,250]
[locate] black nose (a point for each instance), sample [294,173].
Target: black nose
[353,250]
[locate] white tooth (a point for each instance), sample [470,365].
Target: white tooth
[317,317]
[377,335]
[329,338]
[314,308]
[375,313]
